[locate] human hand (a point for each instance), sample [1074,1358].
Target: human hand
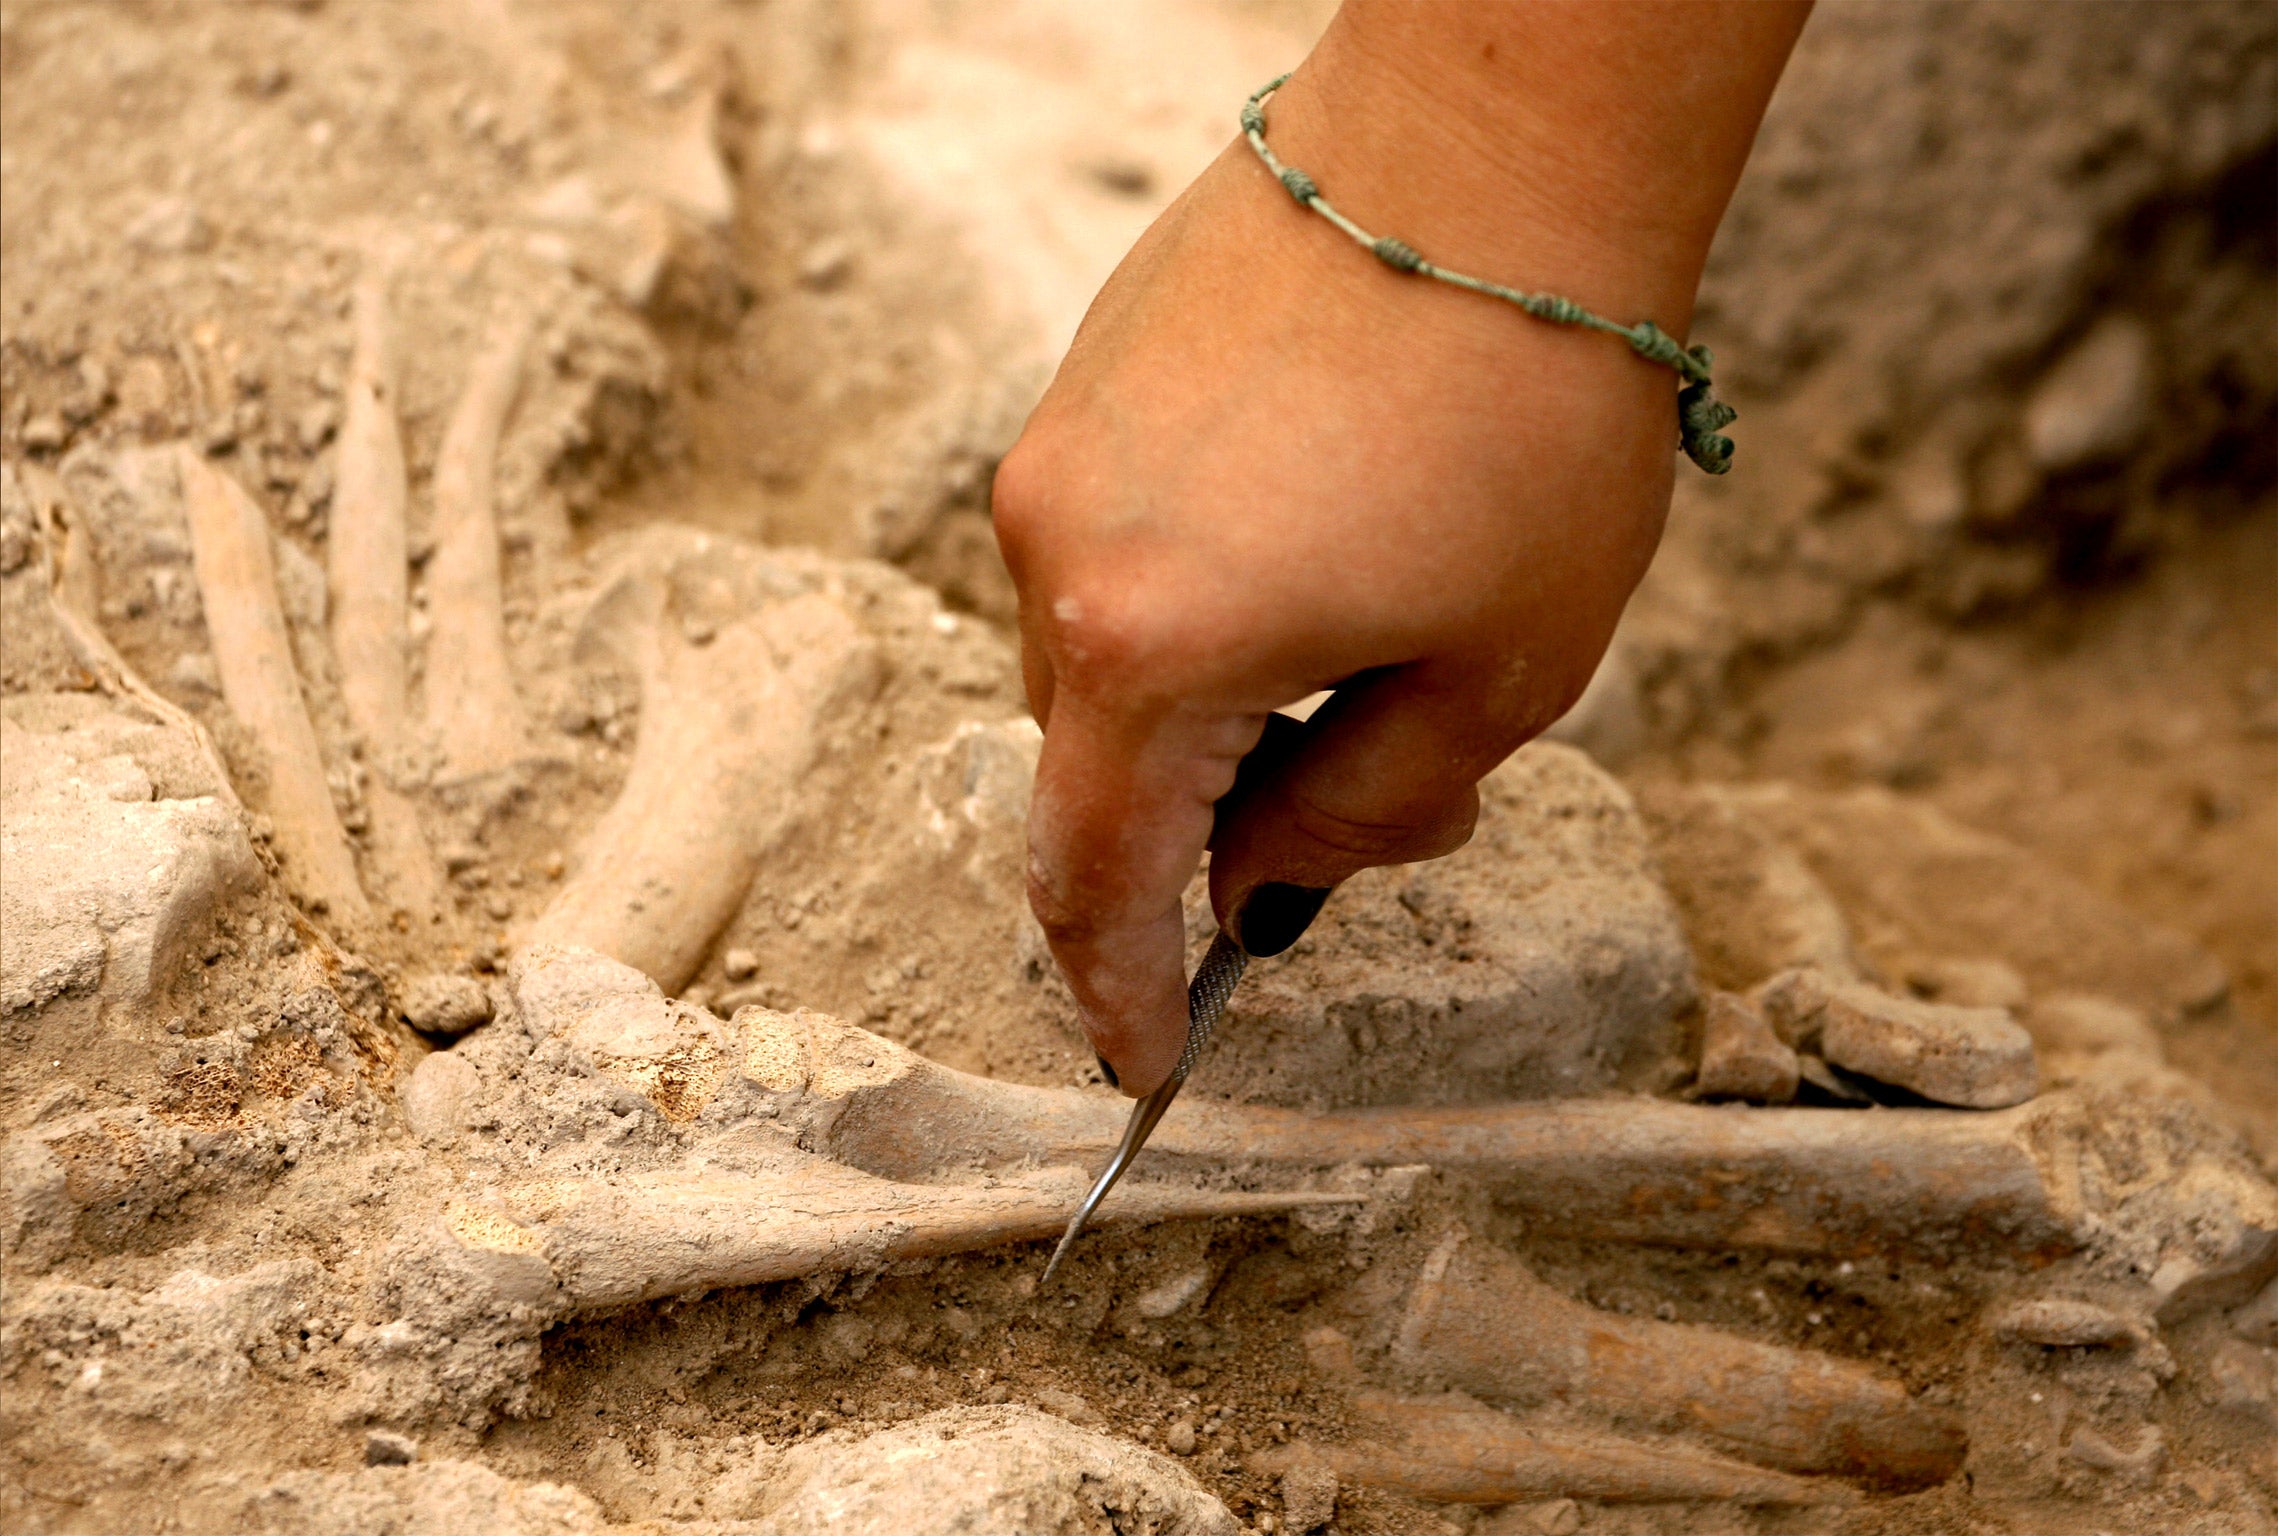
[1270,466]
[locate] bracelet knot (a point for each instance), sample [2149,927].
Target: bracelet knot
[1396,254]
[1700,415]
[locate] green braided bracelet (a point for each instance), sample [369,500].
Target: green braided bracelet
[1699,414]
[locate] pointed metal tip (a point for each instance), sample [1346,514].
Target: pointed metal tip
[1067,1241]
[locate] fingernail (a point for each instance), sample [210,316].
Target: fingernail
[1107,1071]
[1276,915]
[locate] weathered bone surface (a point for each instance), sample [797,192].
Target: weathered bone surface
[368,571]
[1979,1058]
[752,1204]
[75,584]
[366,554]
[727,727]
[1477,1320]
[987,1469]
[778,1215]
[472,707]
[1452,1453]
[237,580]
[1741,1057]
[2043,1178]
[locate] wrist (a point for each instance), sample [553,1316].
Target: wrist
[1588,150]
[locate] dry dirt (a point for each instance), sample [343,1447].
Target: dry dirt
[348,1191]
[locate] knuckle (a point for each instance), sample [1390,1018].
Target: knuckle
[1121,633]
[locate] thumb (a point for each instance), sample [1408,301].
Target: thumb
[1386,772]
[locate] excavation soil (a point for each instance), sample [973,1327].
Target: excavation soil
[1931,694]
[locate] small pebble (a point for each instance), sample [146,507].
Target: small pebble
[446,1005]
[740,964]
[386,1448]
[1308,1497]
[1179,1438]
[1555,1517]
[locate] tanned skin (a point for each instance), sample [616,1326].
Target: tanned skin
[1269,465]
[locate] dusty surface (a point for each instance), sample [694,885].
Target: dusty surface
[379,1201]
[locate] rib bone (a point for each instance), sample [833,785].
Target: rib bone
[471,703]
[1479,1321]
[368,577]
[237,580]
[366,563]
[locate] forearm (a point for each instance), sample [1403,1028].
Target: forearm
[1569,144]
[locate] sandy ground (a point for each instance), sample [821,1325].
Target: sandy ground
[350,1188]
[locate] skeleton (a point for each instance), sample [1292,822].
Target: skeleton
[825,1149]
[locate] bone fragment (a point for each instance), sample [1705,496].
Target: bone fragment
[1741,1058]
[1979,1058]
[1479,1321]
[727,728]
[472,707]
[1452,1453]
[367,573]
[2063,1322]
[237,580]
[590,1245]
[74,593]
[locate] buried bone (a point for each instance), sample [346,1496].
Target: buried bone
[237,580]
[472,707]
[1476,1319]
[1452,1454]
[367,575]
[589,1245]
[1976,1058]
[727,727]
[2036,1179]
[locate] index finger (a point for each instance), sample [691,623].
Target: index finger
[1125,791]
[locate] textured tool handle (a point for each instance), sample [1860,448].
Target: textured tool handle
[1206,995]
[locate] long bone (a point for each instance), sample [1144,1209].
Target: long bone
[1627,1170]
[727,728]
[1452,1454]
[591,1245]
[1477,1320]
[472,707]
[237,582]
[757,1202]
[368,574]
